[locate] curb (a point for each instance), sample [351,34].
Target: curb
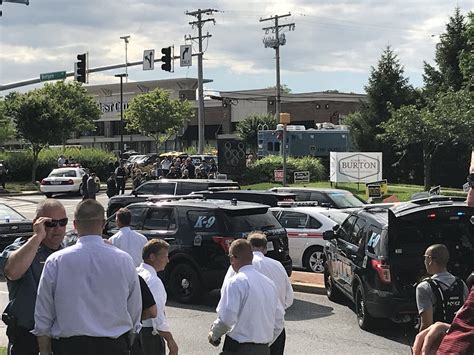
[308,288]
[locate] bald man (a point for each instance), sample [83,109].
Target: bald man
[440,296]
[249,312]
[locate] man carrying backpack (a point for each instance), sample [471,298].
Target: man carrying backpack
[440,296]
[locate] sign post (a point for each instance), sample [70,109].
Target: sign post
[58,75]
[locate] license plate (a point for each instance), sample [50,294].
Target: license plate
[55,182]
[270,246]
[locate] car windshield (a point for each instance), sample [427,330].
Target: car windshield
[63,173]
[12,215]
[252,222]
[345,199]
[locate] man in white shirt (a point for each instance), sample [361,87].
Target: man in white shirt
[156,331]
[249,311]
[127,239]
[275,271]
[89,298]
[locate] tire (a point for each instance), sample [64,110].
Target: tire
[365,320]
[314,259]
[48,194]
[333,293]
[184,284]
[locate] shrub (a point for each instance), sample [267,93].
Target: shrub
[20,163]
[263,169]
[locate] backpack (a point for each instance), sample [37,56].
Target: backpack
[448,300]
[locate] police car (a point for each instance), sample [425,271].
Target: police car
[64,180]
[305,225]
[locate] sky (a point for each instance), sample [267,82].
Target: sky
[333,46]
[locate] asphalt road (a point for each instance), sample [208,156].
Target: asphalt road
[314,325]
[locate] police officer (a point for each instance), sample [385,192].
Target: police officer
[440,296]
[120,177]
[22,264]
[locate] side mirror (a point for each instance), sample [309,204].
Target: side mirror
[329,235]
[336,227]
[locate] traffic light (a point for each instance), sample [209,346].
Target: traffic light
[80,73]
[166,59]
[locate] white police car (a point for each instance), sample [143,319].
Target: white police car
[64,180]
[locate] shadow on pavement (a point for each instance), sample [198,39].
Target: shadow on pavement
[208,302]
[304,310]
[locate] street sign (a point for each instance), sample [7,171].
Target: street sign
[301,176]
[148,59]
[185,57]
[53,76]
[278,175]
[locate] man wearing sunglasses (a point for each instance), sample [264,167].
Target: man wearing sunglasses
[22,264]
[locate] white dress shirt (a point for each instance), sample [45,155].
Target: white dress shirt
[275,271]
[249,308]
[91,289]
[130,242]
[148,273]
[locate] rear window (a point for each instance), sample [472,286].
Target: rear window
[63,173]
[345,200]
[252,222]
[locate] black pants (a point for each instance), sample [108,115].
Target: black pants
[81,345]
[120,185]
[21,341]
[233,347]
[152,344]
[278,346]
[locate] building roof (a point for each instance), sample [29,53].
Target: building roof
[144,86]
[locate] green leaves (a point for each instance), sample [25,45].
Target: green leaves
[248,128]
[156,115]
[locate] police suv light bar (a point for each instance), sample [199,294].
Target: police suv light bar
[298,204]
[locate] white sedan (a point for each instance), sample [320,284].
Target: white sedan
[305,227]
[64,180]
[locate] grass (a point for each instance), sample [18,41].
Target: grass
[18,186]
[402,191]
[3,351]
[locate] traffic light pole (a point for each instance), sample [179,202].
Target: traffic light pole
[200,23]
[121,76]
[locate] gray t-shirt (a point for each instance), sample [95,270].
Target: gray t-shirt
[425,298]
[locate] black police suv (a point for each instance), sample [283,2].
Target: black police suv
[166,187]
[200,232]
[375,258]
[332,198]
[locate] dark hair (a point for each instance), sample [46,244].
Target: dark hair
[154,246]
[124,216]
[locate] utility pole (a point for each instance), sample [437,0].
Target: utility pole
[275,43]
[199,23]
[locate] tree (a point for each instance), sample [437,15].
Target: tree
[444,122]
[448,75]
[50,114]
[284,89]
[248,128]
[387,87]
[158,116]
[7,128]
[466,59]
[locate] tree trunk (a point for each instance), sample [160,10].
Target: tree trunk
[427,158]
[36,151]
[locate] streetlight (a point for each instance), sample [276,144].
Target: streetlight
[121,76]
[126,40]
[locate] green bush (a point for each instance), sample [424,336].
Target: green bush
[263,169]
[21,163]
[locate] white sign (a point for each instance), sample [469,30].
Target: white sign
[185,57]
[278,175]
[149,59]
[355,167]
[301,176]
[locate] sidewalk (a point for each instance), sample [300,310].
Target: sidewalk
[308,282]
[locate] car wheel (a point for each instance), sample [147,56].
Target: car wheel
[48,194]
[184,284]
[314,259]
[332,291]
[364,319]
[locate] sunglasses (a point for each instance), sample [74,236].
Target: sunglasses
[54,222]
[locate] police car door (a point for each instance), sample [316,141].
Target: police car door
[354,252]
[295,225]
[341,262]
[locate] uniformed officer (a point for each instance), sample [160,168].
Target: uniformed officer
[22,264]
